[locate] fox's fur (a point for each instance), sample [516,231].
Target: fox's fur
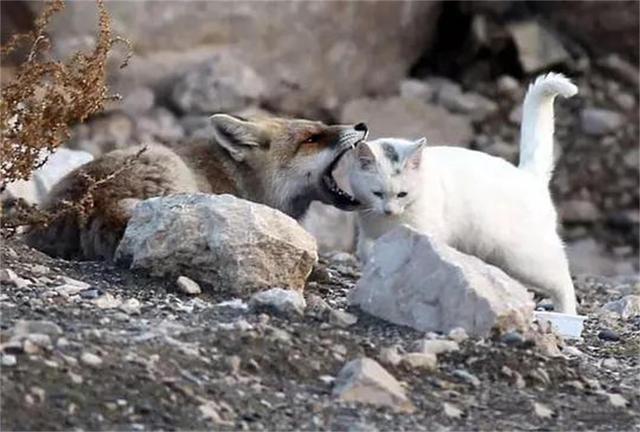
[477,203]
[274,161]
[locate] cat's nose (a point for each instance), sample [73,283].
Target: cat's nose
[388,212]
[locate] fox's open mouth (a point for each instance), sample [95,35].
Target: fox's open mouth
[339,198]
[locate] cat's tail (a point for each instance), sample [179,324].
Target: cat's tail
[536,133]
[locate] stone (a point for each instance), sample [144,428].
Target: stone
[8,276]
[103,134]
[608,335]
[416,89]
[451,410]
[285,302]
[625,101]
[137,101]
[435,346]
[187,286]
[458,334]
[617,400]
[90,359]
[421,360]
[416,281]
[537,47]
[341,319]
[159,125]
[390,355]
[467,377]
[626,307]
[58,164]
[317,307]
[542,411]
[410,118]
[509,86]
[222,84]
[226,243]
[8,360]
[596,121]
[579,211]
[26,327]
[305,57]
[131,306]
[363,380]
[586,256]
[475,105]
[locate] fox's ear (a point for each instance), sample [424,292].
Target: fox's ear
[366,157]
[237,136]
[414,159]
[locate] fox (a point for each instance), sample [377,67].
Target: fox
[280,162]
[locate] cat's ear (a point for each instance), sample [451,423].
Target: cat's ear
[366,157]
[415,154]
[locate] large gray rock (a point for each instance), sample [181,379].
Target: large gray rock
[220,241]
[414,280]
[409,118]
[597,121]
[311,54]
[363,380]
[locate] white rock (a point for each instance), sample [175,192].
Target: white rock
[416,281]
[435,346]
[232,245]
[188,286]
[416,89]
[600,121]
[420,360]
[458,334]
[626,307]
[390,355]
[131,306]
[617,400]
[107,301]
[364,380]
[26,327]
[280,300]
[90,359]
[8,276]
[451,410]
[541,410]
[537,47]
[8,360]
[342,319]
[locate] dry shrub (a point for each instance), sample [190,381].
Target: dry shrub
[47,97]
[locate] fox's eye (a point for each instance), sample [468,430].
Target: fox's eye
[402,194]
[312,139]
[378,194]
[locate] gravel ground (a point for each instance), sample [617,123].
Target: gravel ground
[132,353]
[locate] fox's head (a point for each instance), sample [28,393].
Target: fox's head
[290,160]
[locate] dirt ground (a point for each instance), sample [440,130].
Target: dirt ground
[170,361]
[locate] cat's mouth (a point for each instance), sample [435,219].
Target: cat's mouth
[337,196]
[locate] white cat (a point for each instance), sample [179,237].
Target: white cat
[479,204]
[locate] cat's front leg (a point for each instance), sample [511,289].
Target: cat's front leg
[365,247]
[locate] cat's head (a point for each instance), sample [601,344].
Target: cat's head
[385,176]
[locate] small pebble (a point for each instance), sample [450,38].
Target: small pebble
[608,335]
[8,360]
[512,338]
[90,359]
[91,293]
[188,286]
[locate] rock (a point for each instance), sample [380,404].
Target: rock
[617,400]
[509,86]
[229,244]
[37,340]
[608,335]
[131,306]
[107,301]
[341,319]
[390,355]
[579,211]
[472,104]
[8,360]
[542,411]
[58,164]
[626,307]
[421,360]
[25,327]
[159,125]
[316,306]
[410,118]
[137,101]
[8,276]
[333,229]
[285,302]
[467,377]
[90,359]
[512,338]
[451,410]
[305,58]
[586,256]
[103,134]
[610,363]
[625,101]
[538,48]
[414,280]
[458,335]
[621,69]
[598,122]
[435,346]
[221,84]
[417,89]
[363,380]
[187,286]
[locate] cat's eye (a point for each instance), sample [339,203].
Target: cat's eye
[378,194]
[312,139]
[402,194]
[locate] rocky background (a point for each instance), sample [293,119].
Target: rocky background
[455,72]
[94,346]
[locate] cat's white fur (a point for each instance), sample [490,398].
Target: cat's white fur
[479,204]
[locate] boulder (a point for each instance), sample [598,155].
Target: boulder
[597,121]
[309,54]
[363,380]
[538,48]
[220,241]
[281,301]
[626,307]
[409,118]
[416,281]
